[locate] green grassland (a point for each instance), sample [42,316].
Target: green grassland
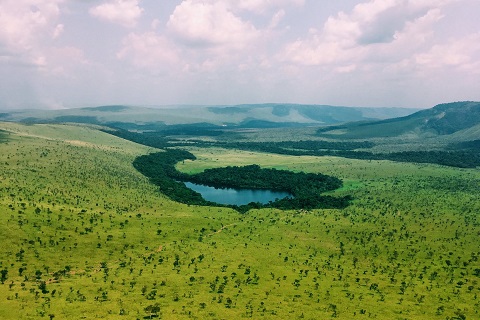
[84,235]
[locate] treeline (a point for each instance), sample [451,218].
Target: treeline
[466,155]
[466,158]
[460,159]
[327,145]
[303,147]
[306,188]
[160,139]
[160,169]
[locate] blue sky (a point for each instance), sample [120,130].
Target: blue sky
[75,53]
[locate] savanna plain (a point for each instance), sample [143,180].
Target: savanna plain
[83,235]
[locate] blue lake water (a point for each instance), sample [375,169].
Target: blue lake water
[236,196]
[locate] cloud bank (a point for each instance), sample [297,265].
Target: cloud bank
[374,52]
[123,12]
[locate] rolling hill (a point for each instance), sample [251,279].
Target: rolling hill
[457,120]
[86,236]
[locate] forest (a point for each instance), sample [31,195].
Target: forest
[306,188]
[461,156]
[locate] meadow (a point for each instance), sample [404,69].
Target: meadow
[84,235]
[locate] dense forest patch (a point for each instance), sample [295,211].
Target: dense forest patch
[462,156]
[305,187]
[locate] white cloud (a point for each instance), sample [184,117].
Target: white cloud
[255,6]
[214,51]
[25,24]
[460,54]
[372,29]
[346,69]
[23,20]
[28,34]
[149,50]
[260,6]
[58,31]
[123,12]
[155,24]
[207,25]
[386,49]
[201,37]
[65,61]
[277,17]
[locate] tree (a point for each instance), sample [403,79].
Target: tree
[43,287]
[152,310]
[3,275]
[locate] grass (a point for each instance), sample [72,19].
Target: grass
[78,217]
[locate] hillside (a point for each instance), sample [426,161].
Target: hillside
[439,121]
[84,235]
[243,116]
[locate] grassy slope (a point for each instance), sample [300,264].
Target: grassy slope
[472,133]
[450,122]
[406,248]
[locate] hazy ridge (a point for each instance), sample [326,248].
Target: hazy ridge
[254,115]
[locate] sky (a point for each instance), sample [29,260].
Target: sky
[375,53]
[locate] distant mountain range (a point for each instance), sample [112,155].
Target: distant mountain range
[248,116]
[448,122]
[447,134]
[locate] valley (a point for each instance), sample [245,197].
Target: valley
[85,234]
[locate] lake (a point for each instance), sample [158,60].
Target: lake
[236,196]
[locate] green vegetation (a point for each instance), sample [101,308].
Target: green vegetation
[443,119]
[469,145]
[461,156]
[444,135]
[3,136]
[84,234]
[468,158]
[305,187]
